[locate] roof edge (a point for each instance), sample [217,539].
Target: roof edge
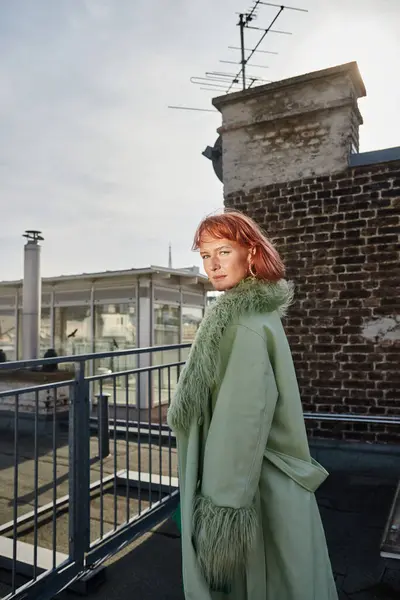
[374,157]
[152,270]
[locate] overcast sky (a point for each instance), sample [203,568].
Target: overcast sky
[91,155]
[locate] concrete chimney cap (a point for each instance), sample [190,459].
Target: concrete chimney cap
[351,69]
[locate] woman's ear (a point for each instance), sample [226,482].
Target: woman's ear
[250,255]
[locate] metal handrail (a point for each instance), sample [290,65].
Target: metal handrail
[37,362]
[37,388]
[352,418]
[134,371]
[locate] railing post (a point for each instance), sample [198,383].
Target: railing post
[79,457]
[103,425]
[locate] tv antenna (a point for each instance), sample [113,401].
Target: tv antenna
[245,20]
[222,81]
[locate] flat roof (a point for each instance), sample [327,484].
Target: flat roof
[190,273]
[374,157]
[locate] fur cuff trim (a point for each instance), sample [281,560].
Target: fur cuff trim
[223,537]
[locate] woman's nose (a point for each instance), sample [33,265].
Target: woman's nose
[215,264]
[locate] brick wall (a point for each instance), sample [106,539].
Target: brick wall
[339,237]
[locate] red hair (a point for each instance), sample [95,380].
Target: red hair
[237,227]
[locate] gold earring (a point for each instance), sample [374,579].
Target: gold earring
[252,272]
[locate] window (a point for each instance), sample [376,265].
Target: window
[191,319]
[8,333]
[45,331]
[115,329]
[166,333]
[72,330]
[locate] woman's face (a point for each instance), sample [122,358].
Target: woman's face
[225,262]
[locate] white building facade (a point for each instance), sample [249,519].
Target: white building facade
[100,312]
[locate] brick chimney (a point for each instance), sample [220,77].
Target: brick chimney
[299,127]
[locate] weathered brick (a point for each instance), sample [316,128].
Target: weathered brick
[338,235]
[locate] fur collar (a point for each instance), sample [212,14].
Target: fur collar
[198,375]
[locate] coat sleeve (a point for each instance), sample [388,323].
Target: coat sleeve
[225,518]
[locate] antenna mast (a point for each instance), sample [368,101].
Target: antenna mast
[243,61]
[244,23]
[220,81]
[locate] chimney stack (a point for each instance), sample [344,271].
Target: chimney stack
[300,127]
[31,296]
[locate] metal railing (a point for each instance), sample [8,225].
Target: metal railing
[87,462]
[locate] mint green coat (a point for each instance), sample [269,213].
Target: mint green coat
[251,528]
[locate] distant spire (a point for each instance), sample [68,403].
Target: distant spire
[170,256]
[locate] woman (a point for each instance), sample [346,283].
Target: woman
[251,528]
